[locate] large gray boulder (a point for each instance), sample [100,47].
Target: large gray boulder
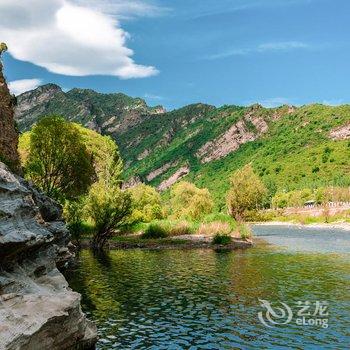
[38,310]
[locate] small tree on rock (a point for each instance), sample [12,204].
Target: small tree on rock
[3,48]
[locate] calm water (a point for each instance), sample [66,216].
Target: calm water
[203,299]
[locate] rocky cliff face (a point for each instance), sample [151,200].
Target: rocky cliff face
[111,114]
[8,133]
[37,308]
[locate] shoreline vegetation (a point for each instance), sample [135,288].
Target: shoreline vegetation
[97,203]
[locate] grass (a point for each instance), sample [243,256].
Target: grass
[155,230]
[137,240]
[222,239]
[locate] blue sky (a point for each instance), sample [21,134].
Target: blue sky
[186,51]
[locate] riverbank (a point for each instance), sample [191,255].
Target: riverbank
[178,242]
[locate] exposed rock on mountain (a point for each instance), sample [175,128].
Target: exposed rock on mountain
[106,113]
[8,132]
[180,173]
[341,133]
[37,308]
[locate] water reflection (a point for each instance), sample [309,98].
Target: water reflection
[202,299]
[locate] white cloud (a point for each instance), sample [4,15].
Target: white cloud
[124,9]
[279,46]
[68,39]
[282,46]
[17,87]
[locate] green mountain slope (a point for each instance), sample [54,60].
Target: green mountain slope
[289,147]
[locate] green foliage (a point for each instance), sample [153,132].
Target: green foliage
[284,157]
[107,162]
[109,208]
[320,195]
[58,161]
[222,239]
[190,202]
[247,192]
[245,231]
[73,213]
[146,204]
[155,230]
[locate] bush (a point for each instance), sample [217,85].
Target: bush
[245,231]
[146,204]
[222,239]
[155,230]
[214,228]
[109,208]
[190,202]
[247,192]
[73,215]
[181,228]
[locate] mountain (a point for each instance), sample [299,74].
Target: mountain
[289,147]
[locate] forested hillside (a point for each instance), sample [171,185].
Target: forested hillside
[290,148]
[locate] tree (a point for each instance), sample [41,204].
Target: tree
[247,192]
[190,202]
[106,158]
[58,161]
[146,204]
[109,208]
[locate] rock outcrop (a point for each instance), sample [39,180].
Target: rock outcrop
[340,133]
[179,174]
[8,133]
[37,308]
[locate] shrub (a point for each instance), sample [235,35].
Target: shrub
[214,228]
[247,192]
[245,231]
[181,228]
[190,202]
[222,239]
[146,204]
[109,208]
[73,215]
[155,230]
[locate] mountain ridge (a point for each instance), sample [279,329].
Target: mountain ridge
[204,143]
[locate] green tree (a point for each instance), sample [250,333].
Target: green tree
[247,192]
[146,204]
[106,157]
[58,161]
[190,202]
[109,208]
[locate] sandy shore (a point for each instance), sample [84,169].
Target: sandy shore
[335,225]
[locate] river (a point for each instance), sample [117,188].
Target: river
[206,299]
